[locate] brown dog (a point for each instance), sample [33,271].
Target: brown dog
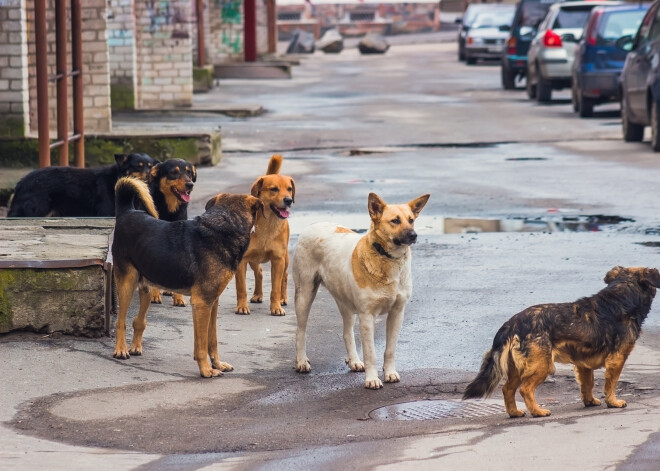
[270,240]
[590,333]
[197,258]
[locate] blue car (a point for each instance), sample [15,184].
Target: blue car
[598,59]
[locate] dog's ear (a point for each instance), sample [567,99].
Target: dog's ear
[376,206]
[255,204]
[613,274]
[154,171]
[194,173]
[418,204]
[652,276]
[256,187]
[121,159]
[293,190]
[212,202]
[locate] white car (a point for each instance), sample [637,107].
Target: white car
[488,34]
[551,53]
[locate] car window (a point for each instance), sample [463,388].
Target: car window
[655,27]
[618,23]
[645,28]
[574,18]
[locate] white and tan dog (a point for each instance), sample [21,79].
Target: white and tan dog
[368,275]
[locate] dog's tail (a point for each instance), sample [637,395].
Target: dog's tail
[274,164]
[494,365]
[131,193]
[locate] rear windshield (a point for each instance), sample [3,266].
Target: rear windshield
[574,18]
[615,24]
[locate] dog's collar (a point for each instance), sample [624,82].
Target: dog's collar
[379,248]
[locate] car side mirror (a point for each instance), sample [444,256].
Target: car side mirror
[625,42]
[569,38]
[505,28]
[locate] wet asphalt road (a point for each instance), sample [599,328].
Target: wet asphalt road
[410,122]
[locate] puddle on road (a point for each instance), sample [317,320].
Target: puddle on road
[455,225]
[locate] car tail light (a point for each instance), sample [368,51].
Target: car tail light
[590,32]
[470,41]
[511,46]
[551,39]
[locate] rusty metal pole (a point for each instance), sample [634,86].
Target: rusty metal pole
[76,65]
[271,13]
[201,48]
[62,81]
[42,82]
[250,30]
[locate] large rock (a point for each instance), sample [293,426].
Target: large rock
[301,42]
[373,43]
[331,42]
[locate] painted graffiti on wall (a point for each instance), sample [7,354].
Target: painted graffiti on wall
[168,17]
[231,12]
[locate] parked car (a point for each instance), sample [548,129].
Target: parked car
[489,31]
[551,54]
[471,13]
[598,60]
[528,16]
[640,80]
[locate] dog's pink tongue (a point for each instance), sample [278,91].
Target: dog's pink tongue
[283,212]
[185,197]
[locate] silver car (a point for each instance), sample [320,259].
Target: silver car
[489,32]
[550,57]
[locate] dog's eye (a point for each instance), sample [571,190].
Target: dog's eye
[411,220]
[396,221]
[274,188]
[289,189]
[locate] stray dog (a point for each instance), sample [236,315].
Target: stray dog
[197,258]
[76,192]
[368,275]
[590,333]
[270,240]
[170,184]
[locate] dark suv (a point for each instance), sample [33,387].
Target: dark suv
[640,80]
[528,16]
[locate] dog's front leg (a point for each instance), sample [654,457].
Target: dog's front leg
[201,319]
[276,274]
[241,289]
[367,321]
[213,341]
[393,328]
[285,280]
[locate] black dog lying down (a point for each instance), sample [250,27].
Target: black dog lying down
[592,332]
[195,257]
[76,192]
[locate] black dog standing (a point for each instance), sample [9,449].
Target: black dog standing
[76,192]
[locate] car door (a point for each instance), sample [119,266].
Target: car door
[639,63]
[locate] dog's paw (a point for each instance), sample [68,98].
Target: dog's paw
[121,354]
[540,413]
[517,413]
[373,384]
[156,298]
[167,293]
[221,365]
[618,403]
[283,302]
[392,377]
[178,300]
[135,350]
[276,310]
[593,403]
[354,365]
[304,366]
[210,373]
[257,298]
[242,310]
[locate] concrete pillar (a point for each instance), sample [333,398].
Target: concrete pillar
[226,35]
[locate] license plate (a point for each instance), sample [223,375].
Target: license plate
[494,49]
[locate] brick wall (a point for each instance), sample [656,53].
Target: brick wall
[96,81]
[226,37]
[121,49]
[14,107]
[164,53]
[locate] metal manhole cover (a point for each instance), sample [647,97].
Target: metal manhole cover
[426,410]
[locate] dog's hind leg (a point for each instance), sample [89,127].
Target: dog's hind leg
[352,359]
[305,292]
[201,326]
[140,321]
[509,388]
[613,368]
[393,328]
[585,378]
[538,366]
[126,280]
[367,321]
[213,341]
[258,295]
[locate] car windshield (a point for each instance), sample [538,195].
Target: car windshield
[493,19]
[573,18]
[474,11]
[618,23]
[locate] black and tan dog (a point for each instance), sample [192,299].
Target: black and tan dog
[600,330]
[76,192]
[170,184]
[197,258]
[270,240]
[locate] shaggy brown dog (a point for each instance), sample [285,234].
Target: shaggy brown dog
[197,258]
[590,333]
[270,240]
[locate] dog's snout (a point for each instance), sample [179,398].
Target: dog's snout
[189,185]
[411,237]
[288,201]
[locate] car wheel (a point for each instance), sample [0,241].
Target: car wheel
[632,132]
[530,86]
[543,90]
[655,123]
[470,60]
[574,97]
[508,78]
[586,106]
